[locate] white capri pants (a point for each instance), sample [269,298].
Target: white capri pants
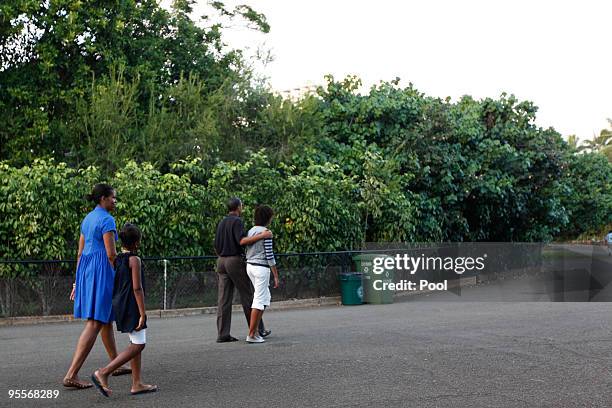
[260,277]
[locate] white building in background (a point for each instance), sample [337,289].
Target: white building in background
[297,93]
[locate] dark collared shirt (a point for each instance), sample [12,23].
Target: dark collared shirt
[229,233]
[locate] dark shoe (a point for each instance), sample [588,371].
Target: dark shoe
[226,339]
[148,389]
[102,388]
[265,333]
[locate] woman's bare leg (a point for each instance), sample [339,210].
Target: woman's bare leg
[108,339]
[84,345]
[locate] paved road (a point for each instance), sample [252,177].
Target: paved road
[423,351]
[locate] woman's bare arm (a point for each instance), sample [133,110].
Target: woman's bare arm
[109,244]
[275,274]
[81,247]
[80,252]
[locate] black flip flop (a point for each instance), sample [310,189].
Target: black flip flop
[99,385]
[146,391]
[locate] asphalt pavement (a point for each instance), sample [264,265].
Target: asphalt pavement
[422,351]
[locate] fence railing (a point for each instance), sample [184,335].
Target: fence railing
[42,288]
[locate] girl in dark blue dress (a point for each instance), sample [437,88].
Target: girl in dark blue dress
[130,315]
[93,290]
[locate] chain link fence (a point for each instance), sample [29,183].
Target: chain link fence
[42,288]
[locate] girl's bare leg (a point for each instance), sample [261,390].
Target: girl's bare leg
[108,339]
[254,321]
[136,367]
[126,355]
[137,384]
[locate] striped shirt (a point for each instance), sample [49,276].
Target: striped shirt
[261,252]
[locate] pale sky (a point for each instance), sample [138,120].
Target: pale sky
[554,53]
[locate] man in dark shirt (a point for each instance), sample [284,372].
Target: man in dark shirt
[231,269]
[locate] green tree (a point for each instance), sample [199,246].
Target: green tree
[316,207]
[600,143]
[112,128]
[50,51]
[588,194]
[473,170]
[40,210]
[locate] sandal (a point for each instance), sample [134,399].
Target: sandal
[104,390]
[151,388]
[72,383]
[121,371]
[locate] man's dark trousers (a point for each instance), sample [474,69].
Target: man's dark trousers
[231,271]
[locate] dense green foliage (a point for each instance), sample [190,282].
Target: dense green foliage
[151,102]
[317,209]
[60,61]
[588,197]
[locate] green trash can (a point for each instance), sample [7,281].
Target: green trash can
[364,263]
[351,288]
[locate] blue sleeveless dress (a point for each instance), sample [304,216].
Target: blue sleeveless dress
[95,275]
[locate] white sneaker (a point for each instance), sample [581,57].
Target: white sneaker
[255,339]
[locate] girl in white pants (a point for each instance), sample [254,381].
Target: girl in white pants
[260,261]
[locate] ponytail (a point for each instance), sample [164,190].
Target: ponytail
[99,191]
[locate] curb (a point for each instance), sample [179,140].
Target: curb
[195,311]
[280,305]
[157,313]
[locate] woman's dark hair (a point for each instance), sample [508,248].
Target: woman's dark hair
[233,204]
[129,235]
[263,215]
[99,191]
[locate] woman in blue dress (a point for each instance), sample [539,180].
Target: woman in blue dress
[93,290]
